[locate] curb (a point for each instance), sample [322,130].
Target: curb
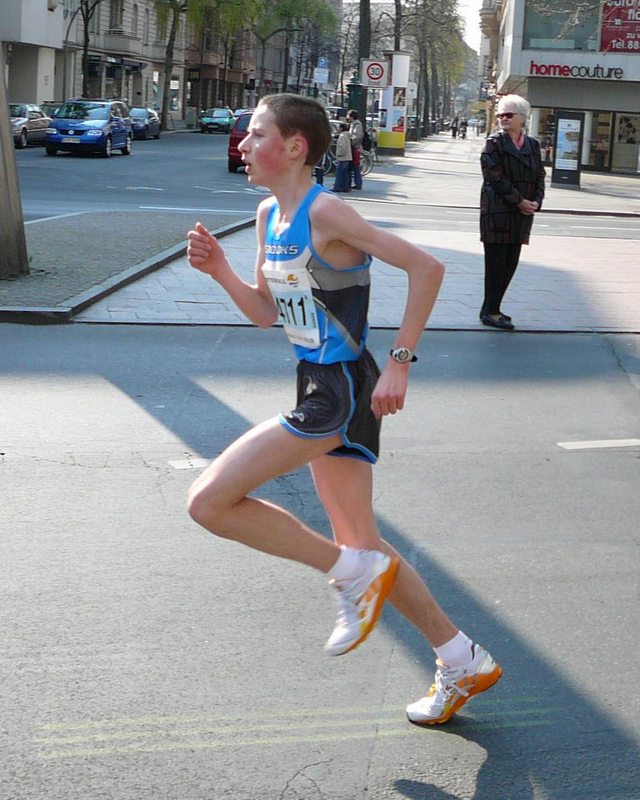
[48,315]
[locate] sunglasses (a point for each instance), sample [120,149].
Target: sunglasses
[506,115]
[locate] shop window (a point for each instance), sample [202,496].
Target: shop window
[558,25]
[546,133]
[600,141]
[626,143]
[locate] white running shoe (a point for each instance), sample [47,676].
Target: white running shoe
[453,686]
[360,601]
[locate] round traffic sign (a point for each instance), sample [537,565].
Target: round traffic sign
[375,71]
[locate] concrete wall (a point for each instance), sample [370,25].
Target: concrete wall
[30,22]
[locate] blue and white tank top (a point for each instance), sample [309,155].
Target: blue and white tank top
[323,309]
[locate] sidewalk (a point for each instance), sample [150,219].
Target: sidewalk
[562,283]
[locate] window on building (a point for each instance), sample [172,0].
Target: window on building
[116,12]
[134,22]
[560,25]
[146,25]
[94,22]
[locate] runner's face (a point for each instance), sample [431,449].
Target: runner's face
[263,149]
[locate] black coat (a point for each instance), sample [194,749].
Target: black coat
[509,176]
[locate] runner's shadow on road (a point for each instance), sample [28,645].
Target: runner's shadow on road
[541,736]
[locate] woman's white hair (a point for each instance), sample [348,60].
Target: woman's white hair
[515,102]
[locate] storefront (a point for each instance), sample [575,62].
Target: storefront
[611,140]
[591,67]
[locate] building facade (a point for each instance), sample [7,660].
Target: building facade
[43,45]
[42,50]
[587,62]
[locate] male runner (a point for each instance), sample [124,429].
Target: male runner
[312,274]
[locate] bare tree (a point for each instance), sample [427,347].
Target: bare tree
[13,248]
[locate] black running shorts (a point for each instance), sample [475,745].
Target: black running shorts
[336,398]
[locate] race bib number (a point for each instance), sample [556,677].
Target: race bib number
[291,291]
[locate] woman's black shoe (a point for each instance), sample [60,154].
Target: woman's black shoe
[502,322]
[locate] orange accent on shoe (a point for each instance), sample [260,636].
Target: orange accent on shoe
[472,685]
[380,588]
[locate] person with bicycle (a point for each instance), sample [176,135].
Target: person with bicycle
[356,132]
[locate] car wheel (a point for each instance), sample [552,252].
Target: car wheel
[106,148]
[157,136]
[146,132]
[51,151]
[23,140]
[128,146]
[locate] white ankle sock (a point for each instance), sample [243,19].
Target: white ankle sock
[456,652]
[347,566]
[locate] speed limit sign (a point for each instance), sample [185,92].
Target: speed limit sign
[374,73]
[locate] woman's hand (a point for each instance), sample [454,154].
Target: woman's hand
[527,207]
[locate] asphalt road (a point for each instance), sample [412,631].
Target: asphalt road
[145,660]
[182,170]
[188,172]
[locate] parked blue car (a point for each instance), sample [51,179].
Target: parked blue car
[94,126]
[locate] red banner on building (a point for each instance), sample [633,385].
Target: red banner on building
[620,26]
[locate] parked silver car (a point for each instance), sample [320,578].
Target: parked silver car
[28,124]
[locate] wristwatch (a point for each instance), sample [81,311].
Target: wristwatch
[403,355]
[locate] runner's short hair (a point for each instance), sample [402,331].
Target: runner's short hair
[295,113]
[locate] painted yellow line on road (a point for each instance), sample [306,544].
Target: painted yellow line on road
[511,704]
[162,747]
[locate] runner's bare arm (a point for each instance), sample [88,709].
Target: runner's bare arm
[254,300]
[336,220]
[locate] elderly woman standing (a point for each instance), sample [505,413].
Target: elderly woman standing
[511,194]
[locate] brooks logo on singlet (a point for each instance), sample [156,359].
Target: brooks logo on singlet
[281,249]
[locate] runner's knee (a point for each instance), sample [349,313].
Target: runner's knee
[206,506]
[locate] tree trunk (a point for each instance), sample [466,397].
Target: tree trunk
[85,56]
[13,247]
[168,68]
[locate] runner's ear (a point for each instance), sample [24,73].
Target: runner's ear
[297,145]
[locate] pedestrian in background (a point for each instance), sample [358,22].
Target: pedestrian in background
[342,181]
[357,135]
[454,127]
[511,193]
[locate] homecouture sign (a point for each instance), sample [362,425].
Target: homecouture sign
[575,71]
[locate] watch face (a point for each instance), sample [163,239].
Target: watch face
[402,354]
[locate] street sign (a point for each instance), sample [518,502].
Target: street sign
[320,75]
[375,74]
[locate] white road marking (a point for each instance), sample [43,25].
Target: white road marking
[57,216]
[599,443]
[598,228]
[201,210]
